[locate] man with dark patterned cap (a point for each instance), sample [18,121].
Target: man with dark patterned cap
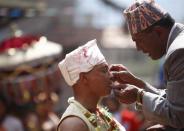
[155,33]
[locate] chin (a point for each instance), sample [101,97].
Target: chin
[107,93]
[155,57]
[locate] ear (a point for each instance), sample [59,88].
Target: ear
[83,77]
[160,31]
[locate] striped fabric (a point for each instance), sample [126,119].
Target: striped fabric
[142,14]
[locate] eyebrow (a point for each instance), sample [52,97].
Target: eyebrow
[105,66]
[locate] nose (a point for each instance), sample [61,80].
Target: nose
[111,76]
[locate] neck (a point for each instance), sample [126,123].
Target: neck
[87,99]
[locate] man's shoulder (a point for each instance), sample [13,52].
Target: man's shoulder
[176,45]
[73,110]
[73,119]
[175,59]
[177,55]
[72,123]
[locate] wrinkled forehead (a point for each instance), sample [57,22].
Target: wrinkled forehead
[100,66]
[104,64]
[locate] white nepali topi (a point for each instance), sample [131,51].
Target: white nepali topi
[82,59]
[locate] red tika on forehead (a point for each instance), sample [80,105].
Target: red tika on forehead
[85,52]
[81,55]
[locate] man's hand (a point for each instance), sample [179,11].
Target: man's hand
[126,93]
[122,75]
[117,67]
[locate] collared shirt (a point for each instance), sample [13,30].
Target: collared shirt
[171,31]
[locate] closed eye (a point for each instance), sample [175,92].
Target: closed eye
[105,69]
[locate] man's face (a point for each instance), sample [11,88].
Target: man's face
[99,80]
[149,43]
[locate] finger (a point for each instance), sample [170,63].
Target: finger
[120,75]
[119,86]
[112,78]
[117,93]
[117,67]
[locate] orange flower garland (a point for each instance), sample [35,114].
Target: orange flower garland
[105,116]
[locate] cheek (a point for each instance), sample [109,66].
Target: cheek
[150,43]
[154,44]
[101,80]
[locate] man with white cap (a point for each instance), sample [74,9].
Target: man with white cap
[86,70]
[156,34]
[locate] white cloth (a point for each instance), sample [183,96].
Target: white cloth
[82,59]
[176,45]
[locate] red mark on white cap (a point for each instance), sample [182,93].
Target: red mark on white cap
[85,52]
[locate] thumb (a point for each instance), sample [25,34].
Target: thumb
[117,67]
[119,74]
[119,86]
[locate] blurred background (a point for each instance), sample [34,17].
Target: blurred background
[36,34]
